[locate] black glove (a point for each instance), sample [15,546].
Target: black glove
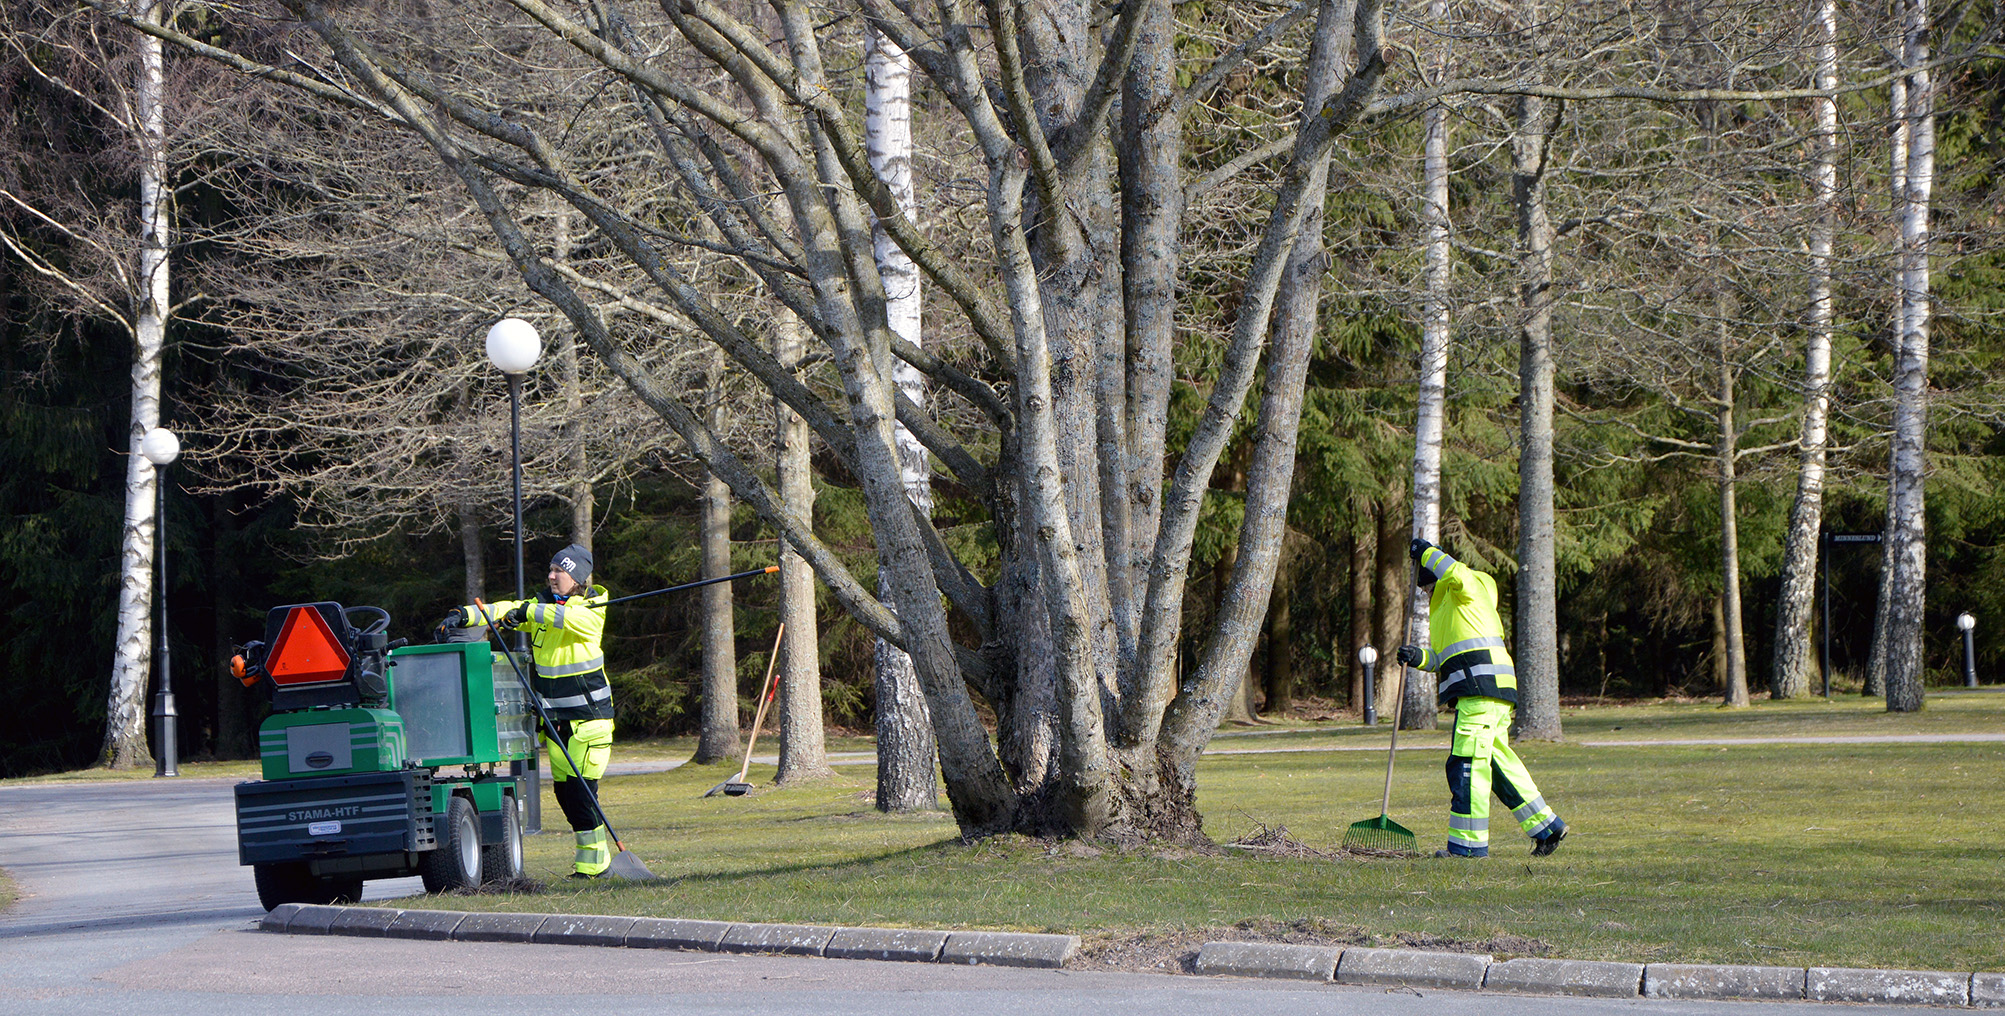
[1409,655]
[455,618]
[514,618]
[1417,548]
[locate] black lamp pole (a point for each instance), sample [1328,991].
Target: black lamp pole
[532,811]
[163,703]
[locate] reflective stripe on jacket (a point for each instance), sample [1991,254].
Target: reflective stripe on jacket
[1467,647]
[564,641]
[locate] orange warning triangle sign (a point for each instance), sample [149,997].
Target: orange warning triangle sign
[307,651]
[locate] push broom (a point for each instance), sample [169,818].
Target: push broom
[736,785]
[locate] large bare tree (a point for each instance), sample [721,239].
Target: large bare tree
[1033,91]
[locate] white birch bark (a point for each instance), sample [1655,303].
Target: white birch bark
[132,658]
[1906,546]
[1430,416]
[1897,183]
[1790,676]
[905,751]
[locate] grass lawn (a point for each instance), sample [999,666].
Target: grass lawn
[1875,855]
[1867,855]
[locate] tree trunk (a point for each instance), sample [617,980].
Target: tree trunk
[1394,580]
[1238,702]
[803,738]
[1719,660]
[1152,210]
[570,379]
[1906,547]
[1736,649]
[718,738]
[1364,552]
[1794,614]
[132,657]
[233,732]
[1432,400]
[1280,683]
[1536,618]
[905,752]
[473,553]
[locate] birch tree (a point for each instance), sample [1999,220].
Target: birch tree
[125,710]
[1432,400]
[1789,675]
[104,262]
[905,752]
[1906,545]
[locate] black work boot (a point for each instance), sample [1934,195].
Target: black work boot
[1547,844]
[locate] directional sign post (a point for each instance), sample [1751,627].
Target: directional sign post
[1831,542]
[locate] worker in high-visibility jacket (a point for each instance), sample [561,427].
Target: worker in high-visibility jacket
[1476,674]
[565,624]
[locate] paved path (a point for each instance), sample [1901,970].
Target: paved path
[134,903]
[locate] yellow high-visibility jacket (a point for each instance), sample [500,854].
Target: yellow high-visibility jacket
[564,638]
[1467,647]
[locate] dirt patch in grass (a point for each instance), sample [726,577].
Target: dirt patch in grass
[1174,951]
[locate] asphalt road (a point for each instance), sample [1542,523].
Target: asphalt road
[133,902]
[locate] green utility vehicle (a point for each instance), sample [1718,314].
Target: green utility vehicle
[381,760]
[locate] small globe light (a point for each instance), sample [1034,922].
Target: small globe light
[160,446]
[1965,622]
[513,345]
[1367,656]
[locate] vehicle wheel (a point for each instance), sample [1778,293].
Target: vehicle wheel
[502,862]
[455,864]
[279,884]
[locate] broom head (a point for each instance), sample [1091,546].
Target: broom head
[1380,834]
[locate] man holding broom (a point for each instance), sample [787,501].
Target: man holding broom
[565,624]
[1468,652]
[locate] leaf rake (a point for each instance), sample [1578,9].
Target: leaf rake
[1382,834]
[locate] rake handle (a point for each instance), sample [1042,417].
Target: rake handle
[765,699]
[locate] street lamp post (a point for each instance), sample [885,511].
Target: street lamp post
[1369,656]
[161,447]
[514,346]
[1968,624]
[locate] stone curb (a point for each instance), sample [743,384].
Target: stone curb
[1565,977]
[1009,949]
[885,944]
[990,947]
[1352,965]
[1690,980]
[1267,959]
[1532,975]
[1912,987]
[786,939]
[1987,991]
[1413,968]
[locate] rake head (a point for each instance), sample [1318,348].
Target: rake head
[1380,834]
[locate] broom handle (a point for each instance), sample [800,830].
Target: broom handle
[765,699]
